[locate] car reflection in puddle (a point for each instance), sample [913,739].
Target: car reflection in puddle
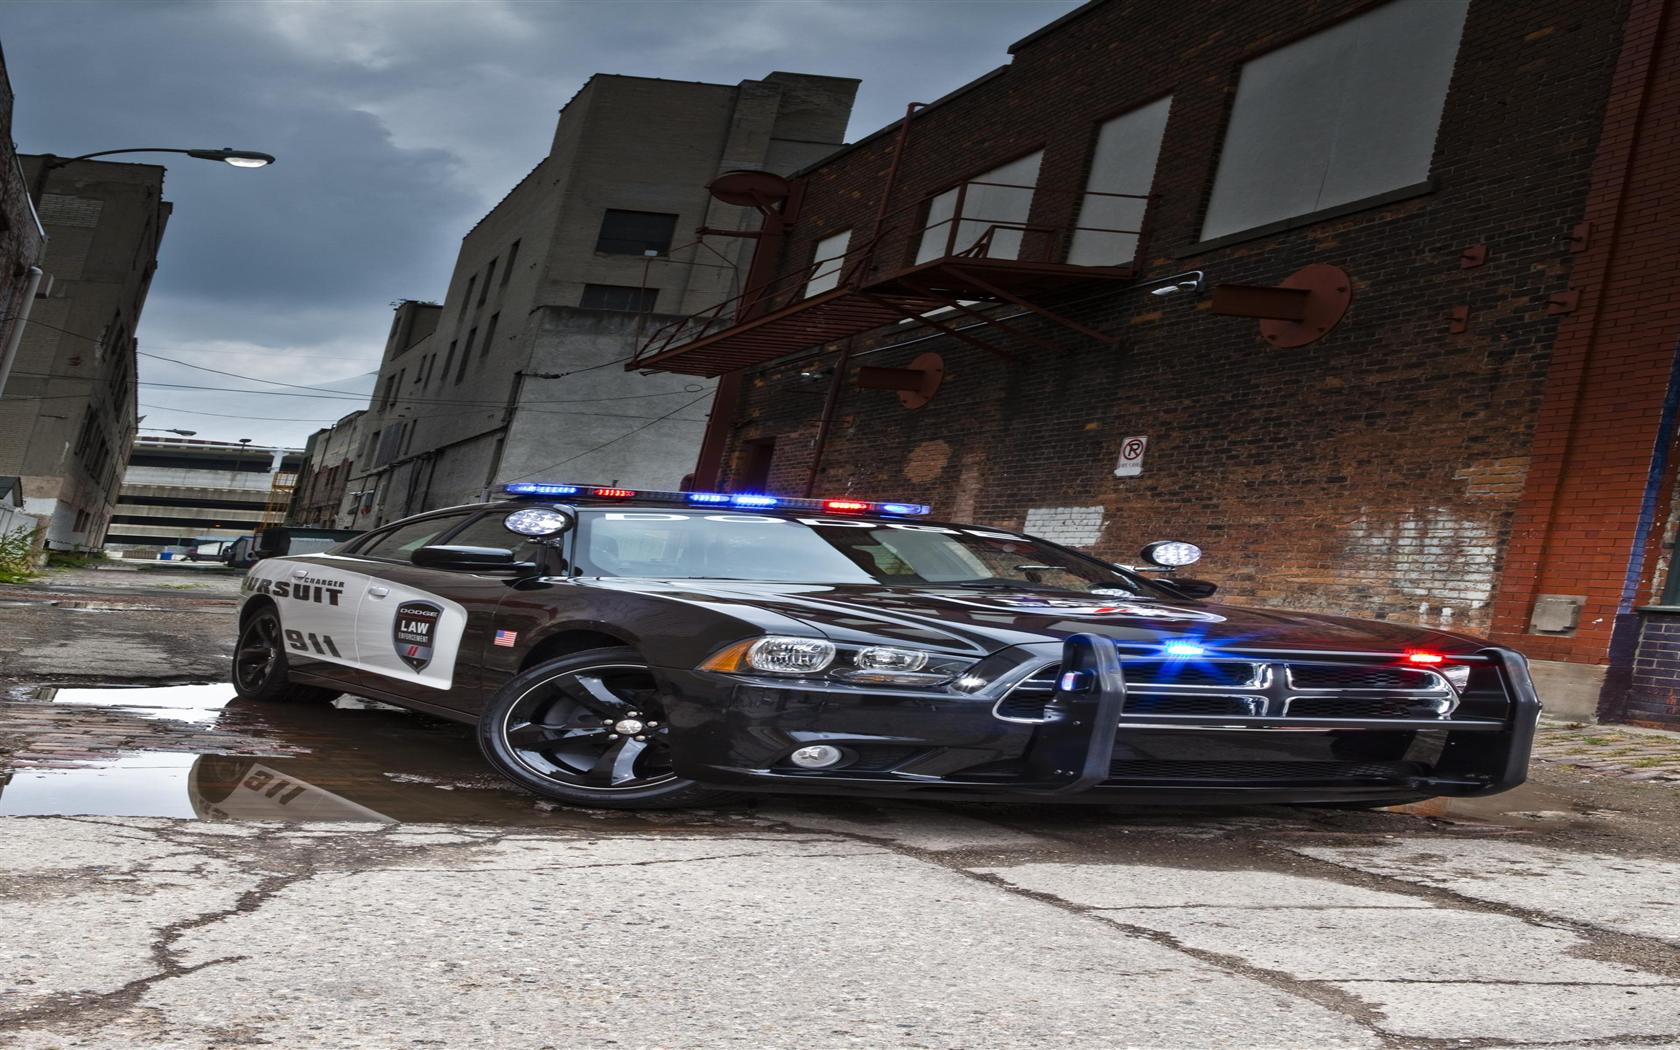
[350,760]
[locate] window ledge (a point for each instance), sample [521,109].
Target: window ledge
[1254,233]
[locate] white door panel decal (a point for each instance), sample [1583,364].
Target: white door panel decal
[316,600]
[409,634]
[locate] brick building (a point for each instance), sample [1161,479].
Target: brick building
[1412,360]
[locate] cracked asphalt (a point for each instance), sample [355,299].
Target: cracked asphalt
[185,872]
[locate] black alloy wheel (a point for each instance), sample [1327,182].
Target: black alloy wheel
[588,730]
[260,670]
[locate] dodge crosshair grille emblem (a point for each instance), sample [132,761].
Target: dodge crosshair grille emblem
[415,632]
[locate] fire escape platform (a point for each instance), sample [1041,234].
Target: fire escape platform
[959,282]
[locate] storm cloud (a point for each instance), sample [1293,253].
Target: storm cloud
[397,125]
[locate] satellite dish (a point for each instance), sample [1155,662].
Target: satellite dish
[749,189]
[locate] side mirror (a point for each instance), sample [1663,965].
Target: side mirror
[1187,588]
[470,559]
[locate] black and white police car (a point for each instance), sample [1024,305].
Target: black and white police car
[625,648]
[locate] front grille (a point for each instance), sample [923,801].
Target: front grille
[1368,707]
[1307,685]
[1227,673]
[1239,706]
[1353,676]
[1271,772]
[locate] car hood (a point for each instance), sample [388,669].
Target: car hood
[988,620]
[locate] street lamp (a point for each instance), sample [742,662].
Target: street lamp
[170,430]
[238,158]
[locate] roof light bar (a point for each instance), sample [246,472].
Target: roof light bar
[533,488]
[745,500]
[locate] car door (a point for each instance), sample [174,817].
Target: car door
[316,597]
[426,627]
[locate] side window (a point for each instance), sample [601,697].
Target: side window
[399,543]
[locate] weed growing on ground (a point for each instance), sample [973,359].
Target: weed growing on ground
[73,559]
[17,556]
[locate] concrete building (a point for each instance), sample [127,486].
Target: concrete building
[1416,356]
[179,491]
[22,238]
[68,412]
[519,372]
[329,461]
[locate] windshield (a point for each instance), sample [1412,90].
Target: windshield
[675,545]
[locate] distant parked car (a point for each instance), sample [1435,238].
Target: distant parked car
[241,553]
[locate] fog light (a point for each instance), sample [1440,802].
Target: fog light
[816,756]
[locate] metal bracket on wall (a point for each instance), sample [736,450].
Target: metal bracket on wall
[916,384]
[1472,257]
[1460,320]
[1300,309]
[1563,302]
[1580,236]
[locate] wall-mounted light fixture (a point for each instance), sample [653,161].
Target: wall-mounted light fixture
[1191,281]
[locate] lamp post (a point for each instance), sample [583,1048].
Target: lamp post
[170,430]
[238,158]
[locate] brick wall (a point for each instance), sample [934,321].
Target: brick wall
[1376,472]
[1653,693]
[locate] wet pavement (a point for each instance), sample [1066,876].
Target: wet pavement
[187,870]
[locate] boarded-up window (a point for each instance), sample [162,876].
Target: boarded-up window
[996,202]
[1336,117]
[628,298]
[829,260]
[1122,163]
[635,232]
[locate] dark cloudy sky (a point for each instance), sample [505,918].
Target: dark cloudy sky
[397,124]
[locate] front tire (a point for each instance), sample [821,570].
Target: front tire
[588,730]
[259,664]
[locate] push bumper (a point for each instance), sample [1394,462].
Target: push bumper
[739,736]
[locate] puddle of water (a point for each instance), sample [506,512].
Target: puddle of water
[350,760]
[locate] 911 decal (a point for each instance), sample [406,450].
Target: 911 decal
[311,642]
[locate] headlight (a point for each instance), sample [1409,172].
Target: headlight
[866,665]
[778,655]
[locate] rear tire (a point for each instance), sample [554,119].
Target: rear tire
[260,671]
[588,730]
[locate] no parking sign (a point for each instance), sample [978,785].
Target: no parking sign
[1131,456]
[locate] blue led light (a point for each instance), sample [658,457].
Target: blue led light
[754,501]
[707,497]
[903,508]
[1184,649]
[536,488]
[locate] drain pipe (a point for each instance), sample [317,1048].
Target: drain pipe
[9,355]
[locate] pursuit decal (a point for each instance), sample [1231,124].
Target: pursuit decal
[309,589]
[414,632]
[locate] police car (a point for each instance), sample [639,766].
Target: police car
[636,649]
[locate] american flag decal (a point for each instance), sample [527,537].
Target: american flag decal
[507,638]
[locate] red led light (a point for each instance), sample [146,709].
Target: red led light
[845,505]
[1420,656]
[612,493]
